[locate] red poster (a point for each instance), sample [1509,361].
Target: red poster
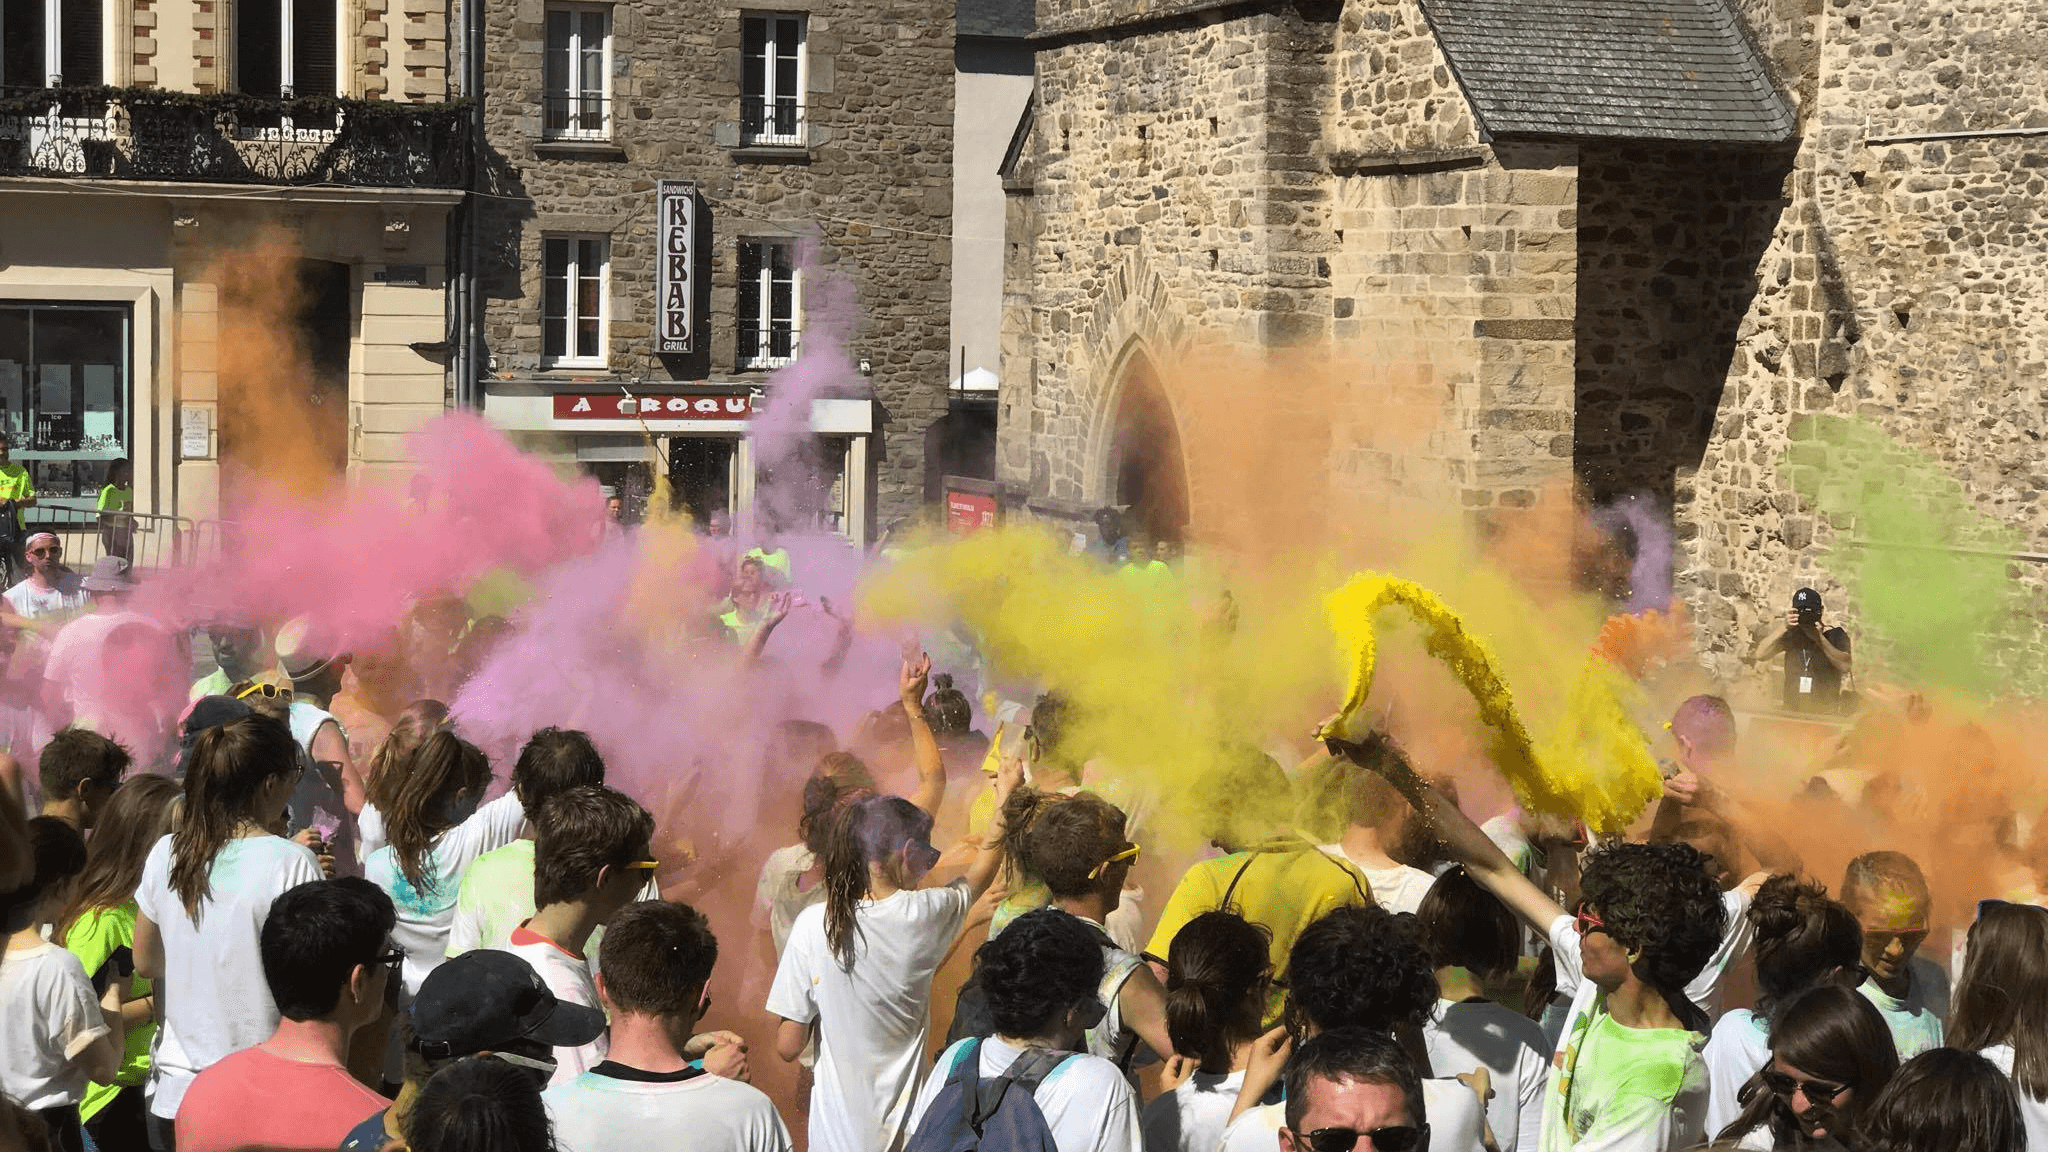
[968,512]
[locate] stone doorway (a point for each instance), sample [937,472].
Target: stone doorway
[1147,473]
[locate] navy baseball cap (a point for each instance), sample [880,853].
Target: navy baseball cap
[1806,600]
[484,1000]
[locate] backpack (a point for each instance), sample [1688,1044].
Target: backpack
[971,1116]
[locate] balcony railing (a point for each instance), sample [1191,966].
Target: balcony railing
[770,347]
[772,121]
[229,138]
[584,116]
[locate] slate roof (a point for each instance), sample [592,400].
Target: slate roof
[1628,69]
[995,18]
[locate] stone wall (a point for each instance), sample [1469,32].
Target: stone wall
[1905,283]
[1393,92]
[873,190]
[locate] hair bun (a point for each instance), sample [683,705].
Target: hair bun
[942,682]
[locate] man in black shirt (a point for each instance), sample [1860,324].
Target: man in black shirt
[1816,657]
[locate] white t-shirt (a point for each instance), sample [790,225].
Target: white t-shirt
[1917,1019]
[48,1016]
[1397,889]
[214,998]
[369,832]
[1738,1049]
[1449,1107]
[1086,1102]
[600,1112]
[873,1020]
[1463,1037]
[1191,1118]
[32,603]
[1705,989]
[424,914]
[568,977]
[777,899]
[2033,1112]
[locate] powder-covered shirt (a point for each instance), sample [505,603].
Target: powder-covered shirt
[1464,1036]
[497,896]
[612,1107]
[567,975]
[1739,1047]
[1286,891]
[67,597]
[1916,1019]
[1614,1088]
[425,910]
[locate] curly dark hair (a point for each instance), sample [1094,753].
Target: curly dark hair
[1360,967]
[1043,964]
[1659,900]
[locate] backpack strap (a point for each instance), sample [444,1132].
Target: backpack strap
[1027,1071]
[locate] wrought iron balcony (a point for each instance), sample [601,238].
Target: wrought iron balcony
[229,138]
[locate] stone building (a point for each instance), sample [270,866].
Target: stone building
[1486,254]
[185,182]
[673,191]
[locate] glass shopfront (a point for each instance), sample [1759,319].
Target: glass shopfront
[65,394]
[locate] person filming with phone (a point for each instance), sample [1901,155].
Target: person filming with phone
[1817,658]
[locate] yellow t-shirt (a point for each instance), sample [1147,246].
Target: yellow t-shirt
[15,484]
[1285,890]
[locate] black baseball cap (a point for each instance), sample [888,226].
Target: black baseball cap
[1806,600]
[484,1000]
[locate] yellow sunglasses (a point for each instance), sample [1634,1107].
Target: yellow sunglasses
[1130,853]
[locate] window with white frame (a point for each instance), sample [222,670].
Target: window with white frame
[772,79]
[288,48]
[52,43]
[576,73]
[572,324]
[768,304]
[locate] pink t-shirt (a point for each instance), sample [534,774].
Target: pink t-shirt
[256,1098]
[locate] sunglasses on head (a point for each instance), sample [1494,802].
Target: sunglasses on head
[1817,1091]
[1129,853]
[265,689]
[1396,1138]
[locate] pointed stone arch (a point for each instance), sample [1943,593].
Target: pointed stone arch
[1135,333]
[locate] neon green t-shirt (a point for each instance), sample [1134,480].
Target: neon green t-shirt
[1615,1087]
[97,937]
[114,499]
[15,484]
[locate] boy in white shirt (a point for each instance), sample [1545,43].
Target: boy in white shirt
[590,858]
[652,979]
[1041,977]
[55,1035]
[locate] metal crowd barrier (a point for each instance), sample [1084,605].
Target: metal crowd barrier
[146,540]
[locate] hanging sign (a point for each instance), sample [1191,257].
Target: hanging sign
[675,206]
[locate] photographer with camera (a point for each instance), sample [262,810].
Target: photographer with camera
[1817,657]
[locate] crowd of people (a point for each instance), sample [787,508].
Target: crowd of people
[313,926]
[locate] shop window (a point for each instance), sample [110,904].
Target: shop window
[64,395]
[287,48]
[772,80]
[767,304]
[52,43]
[576,73]
[573,271]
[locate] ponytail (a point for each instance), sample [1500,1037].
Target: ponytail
[867,831]
[1059,840]
[442,767]
[224,777]
[1216,972]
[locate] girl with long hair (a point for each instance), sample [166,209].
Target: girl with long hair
[386,767]
[99,928]
[1471,938]
[1217,974]
[1074,845]
[435,826]
[1802,939]
[858,968]
[1830,1058]
[1945,1100]
[2000,1006]
[205,891]
[792,879]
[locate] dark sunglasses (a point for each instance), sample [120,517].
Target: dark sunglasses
[1910,937]
[51,550]
[1399,1138]
[1817,1091]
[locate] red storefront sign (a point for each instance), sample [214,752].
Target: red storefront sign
[613,406]
[967,512]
